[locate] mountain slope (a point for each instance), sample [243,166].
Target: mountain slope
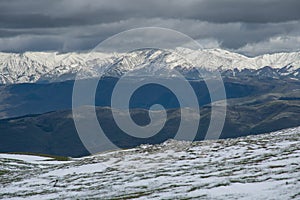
[55,133]
[31,98]
[255,167]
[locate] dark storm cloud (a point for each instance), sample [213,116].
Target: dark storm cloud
[70,25]
[24,14]
[255,11]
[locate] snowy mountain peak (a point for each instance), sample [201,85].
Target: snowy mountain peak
[54,66]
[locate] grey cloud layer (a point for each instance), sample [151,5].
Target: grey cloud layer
[70,25]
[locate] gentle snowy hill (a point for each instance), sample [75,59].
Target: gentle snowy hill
[255,167]
[55,67]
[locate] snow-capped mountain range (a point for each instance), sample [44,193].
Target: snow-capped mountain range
[55,67]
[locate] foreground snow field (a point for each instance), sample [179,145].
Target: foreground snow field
[265,166]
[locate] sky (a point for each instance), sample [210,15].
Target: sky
[249,27]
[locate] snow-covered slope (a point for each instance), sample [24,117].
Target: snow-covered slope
[264,167]
[54,66]
[33,66]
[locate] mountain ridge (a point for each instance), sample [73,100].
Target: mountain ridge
[30,67]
